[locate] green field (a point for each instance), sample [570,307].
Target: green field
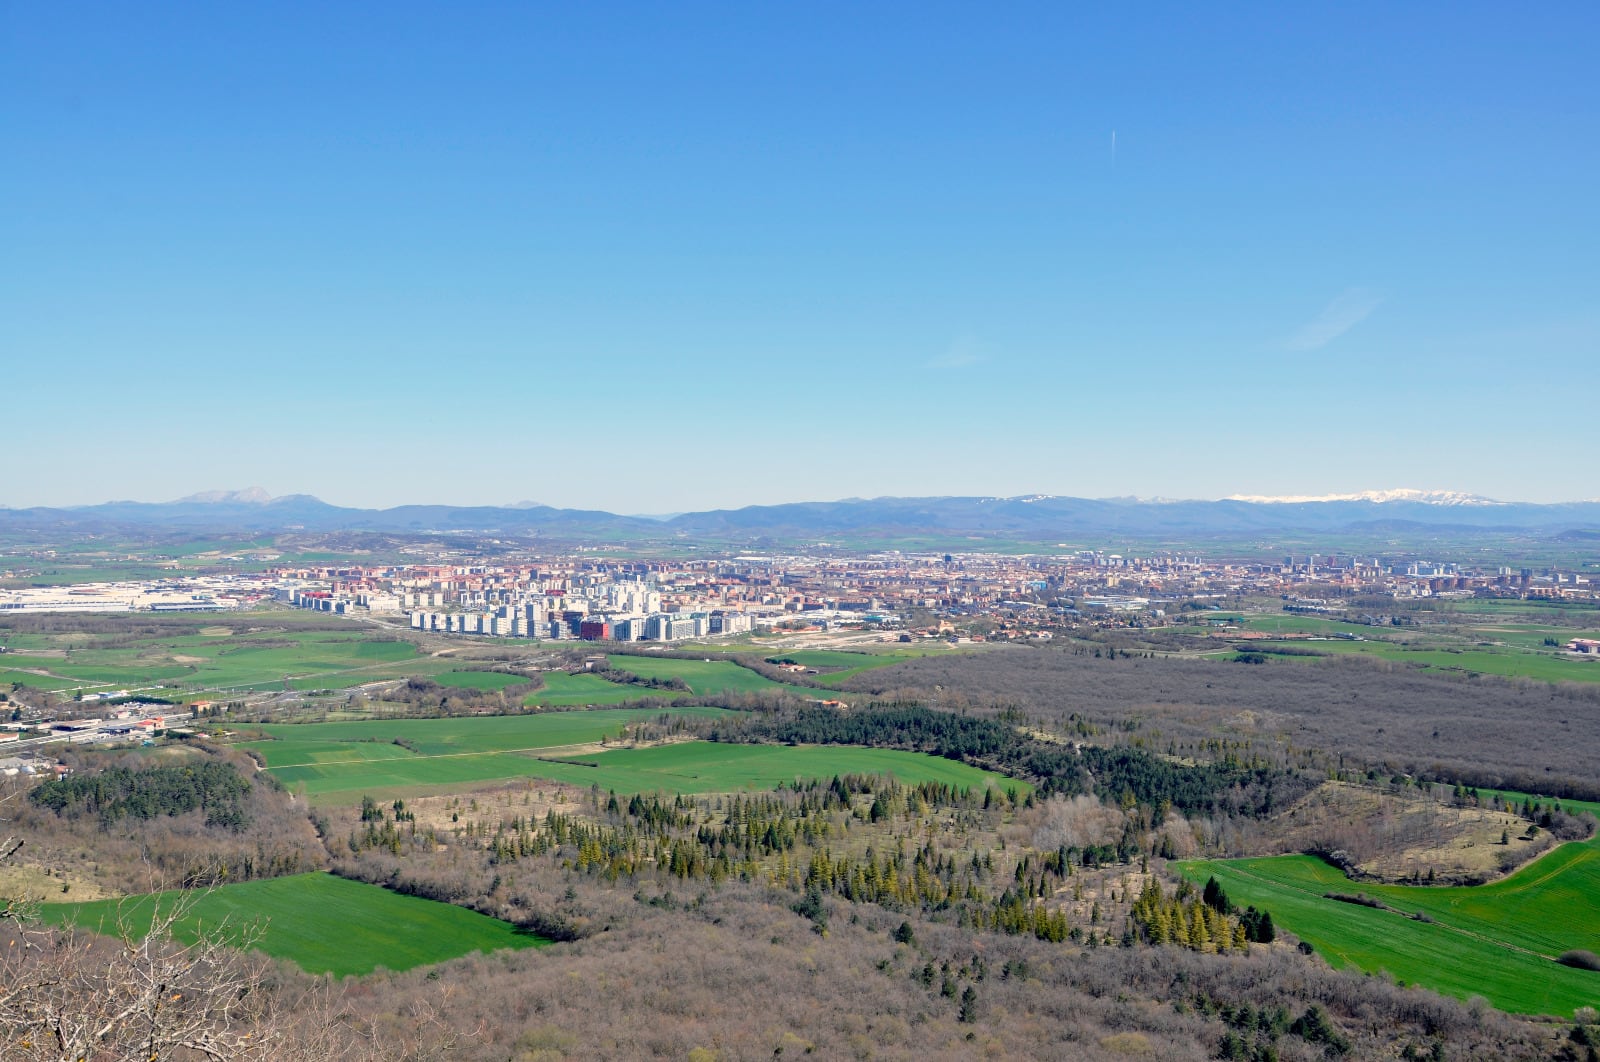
[702,676]
[51,683]
[837,665]
[1507,662]
[711,767]
[299,658]
[321,923]
[1498,940]
[337,761]
[479,680]
[570,689]
[564,689]
[1287,623]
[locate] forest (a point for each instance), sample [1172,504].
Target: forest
[1322,714]
[1125,774]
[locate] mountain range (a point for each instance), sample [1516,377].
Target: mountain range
[1034,517]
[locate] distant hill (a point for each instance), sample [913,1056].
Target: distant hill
[1034,518]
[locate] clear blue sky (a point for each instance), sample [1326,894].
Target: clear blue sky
[673,256]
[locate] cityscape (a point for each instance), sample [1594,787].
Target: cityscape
[728,532]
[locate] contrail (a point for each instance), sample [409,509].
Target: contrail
[1113,145]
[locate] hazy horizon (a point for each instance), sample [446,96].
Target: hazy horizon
[232,496]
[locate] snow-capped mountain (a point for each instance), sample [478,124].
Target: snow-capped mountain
[248,496]
[1402,494]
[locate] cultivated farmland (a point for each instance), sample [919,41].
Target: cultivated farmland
[1499,940]
[345,759]
[710,767]
[702,676]
[321,923]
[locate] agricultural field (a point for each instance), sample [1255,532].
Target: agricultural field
[321,923]
[30,677]
[710,767]
[478,680]
[333,762]
[1509,639]
[836,665]
[1505,662]
[234,661]
[568,689]
[1498,940]
[702,676]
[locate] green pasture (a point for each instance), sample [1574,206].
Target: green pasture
[1508,662]
[1501,606]
[50,683]
[702,676]
[479,680]
[1287,623]
[321,923]
[1498,940]
[714,767]
[304,659]
[335,761]
[835,665]
[565,689]
[1528,635]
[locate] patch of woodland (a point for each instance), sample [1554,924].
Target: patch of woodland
[128,824]
[1396,830]
[1123,773]
[1326,715]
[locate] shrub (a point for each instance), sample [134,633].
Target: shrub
[1579,959]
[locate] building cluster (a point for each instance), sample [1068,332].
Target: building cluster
[196,594]
[584,596]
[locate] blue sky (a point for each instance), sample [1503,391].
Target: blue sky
[664,257]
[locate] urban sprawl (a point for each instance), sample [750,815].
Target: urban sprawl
[584,598]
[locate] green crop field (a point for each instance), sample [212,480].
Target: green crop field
[321,923]
[702,676]
[563,689]
[479,680]
[1498,940]
[1529,636]
[711,767]
[299,658]
[51,683]
[344,760]
[1291,624]
[1508,662]
[836,665]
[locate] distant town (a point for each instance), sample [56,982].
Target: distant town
[1019,597]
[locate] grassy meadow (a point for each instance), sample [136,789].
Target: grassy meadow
[1498,940]
[1507,662]
[478,680]
[343,760]
[702,676]
[321,923]
[262,660]
[835,665]
[712,767]
[567,689]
